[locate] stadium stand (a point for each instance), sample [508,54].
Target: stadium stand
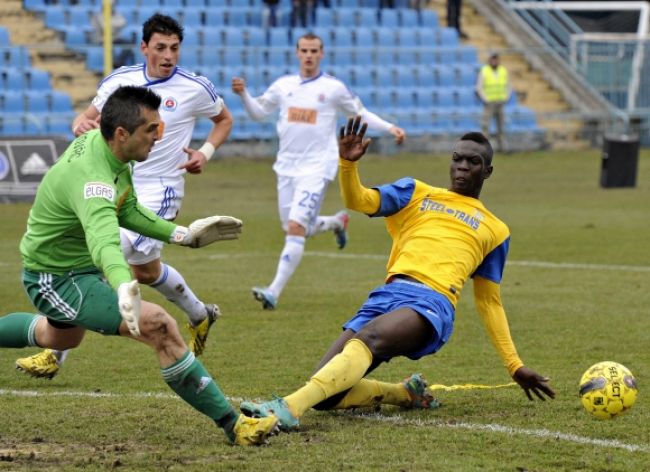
[400,61]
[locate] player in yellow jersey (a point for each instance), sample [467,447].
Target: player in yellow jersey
[441,238]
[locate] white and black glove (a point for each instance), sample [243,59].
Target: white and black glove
[128,299]
[206,231]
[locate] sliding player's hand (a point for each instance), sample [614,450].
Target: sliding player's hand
[351,143]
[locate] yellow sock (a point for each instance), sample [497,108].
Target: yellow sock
[370,393]
[342,372]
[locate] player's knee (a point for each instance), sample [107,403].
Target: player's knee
[158,327]
[146,277]
[295,229]
[375,343]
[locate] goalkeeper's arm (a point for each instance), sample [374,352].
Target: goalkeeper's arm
[206,231]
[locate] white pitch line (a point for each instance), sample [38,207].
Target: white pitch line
[395,419]
[379,257]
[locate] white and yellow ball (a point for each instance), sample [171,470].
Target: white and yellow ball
[607,389]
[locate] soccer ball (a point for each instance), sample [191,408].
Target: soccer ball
[607,389]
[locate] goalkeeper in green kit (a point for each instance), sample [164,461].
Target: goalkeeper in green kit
[75,273]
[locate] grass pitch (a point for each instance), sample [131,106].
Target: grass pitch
[575,291]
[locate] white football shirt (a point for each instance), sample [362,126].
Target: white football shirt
[308,110]
[185,97]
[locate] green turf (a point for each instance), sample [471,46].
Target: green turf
[576,292]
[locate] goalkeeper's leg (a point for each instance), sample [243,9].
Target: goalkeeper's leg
[185,374]
[150,270]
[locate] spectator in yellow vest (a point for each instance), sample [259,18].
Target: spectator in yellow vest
[493,88]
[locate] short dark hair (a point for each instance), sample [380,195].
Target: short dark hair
[480,138]
[162,24]
[122,109]
[309,36]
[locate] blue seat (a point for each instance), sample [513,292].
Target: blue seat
[341,57]
[12,125]
[444,76]
[466,99]
[424,97]
[232,56]
[75,37]
[406,76]
[39,79]
[366,96]
[408,37]
[427,56]
[214,17]
[279,37]
[55,17]
[237,17]
[13,79]
[325,17]
[17,57]
[385,37]
[363,37]
[12,102]
[426,75]
[466,75]
[426,37]
[191,38]
[60,102]
[298,32]
[408,18]
[467,55]
[217,3]
[173,3]
[59,125]
[367,18]
[363,77]
[278,57]
[79,17]
[384,56]
[407,57]
[383,77]
[388,18]
[212,37]
[429,19]
[35,5]
[443,99]
[384,98]
[346,17]
[37,102]
[195,3]
[190,58]
[95,58]
[254,37]
[447,37]
[343,37]
[405,98]
[192,18]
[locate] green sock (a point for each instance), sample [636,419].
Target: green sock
[17,330]
[189,379]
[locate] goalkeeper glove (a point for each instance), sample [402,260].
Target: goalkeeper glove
[206,231]
[128,299]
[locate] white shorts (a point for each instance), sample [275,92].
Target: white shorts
[300,199]
[163,197]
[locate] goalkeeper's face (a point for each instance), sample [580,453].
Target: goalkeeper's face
[136,146]
[162,54]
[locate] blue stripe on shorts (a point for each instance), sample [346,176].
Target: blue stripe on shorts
[431,305]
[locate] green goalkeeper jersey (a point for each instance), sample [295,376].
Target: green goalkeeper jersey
[80,205]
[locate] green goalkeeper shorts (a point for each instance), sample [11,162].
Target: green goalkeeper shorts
[79,297]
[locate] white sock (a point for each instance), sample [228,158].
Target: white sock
[294,247]
[60,356]
[174,288]
[325,223]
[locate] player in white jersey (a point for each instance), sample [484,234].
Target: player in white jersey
[159,181]
[307,160]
